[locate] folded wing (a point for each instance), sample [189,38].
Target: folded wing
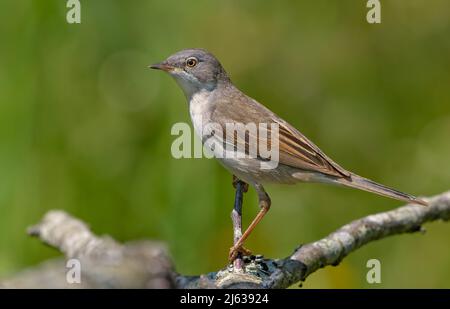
[295,149]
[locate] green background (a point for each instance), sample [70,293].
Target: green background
[85,126]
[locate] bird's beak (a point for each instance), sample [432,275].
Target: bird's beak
[161,66]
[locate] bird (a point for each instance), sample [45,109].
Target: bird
[214,99]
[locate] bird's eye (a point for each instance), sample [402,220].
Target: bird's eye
[191,62]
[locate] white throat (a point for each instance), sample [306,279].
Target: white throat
[190,84]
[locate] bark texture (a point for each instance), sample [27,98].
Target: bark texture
[105,263]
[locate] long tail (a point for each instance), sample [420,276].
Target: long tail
[365,184]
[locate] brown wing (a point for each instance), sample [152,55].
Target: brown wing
[295,149]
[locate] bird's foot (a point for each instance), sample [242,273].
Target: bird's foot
[234,251]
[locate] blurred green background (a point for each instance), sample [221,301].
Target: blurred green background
[85,126]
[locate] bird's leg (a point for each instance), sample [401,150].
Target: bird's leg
[236,217]
[264,204]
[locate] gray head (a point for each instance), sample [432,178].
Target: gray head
[194,70]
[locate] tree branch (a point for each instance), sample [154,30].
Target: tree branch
[106,263]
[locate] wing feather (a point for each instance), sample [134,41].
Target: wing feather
[295,149]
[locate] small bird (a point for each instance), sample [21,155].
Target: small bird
[213,98]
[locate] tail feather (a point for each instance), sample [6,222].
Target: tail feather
[365,184]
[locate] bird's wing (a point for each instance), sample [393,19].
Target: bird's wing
[298,151]
[295,149]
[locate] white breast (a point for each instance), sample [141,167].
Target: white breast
[200,110]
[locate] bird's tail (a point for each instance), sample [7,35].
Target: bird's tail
[365,184]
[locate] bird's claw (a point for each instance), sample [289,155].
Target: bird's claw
[234,251]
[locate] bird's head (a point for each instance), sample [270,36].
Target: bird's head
[194,70]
